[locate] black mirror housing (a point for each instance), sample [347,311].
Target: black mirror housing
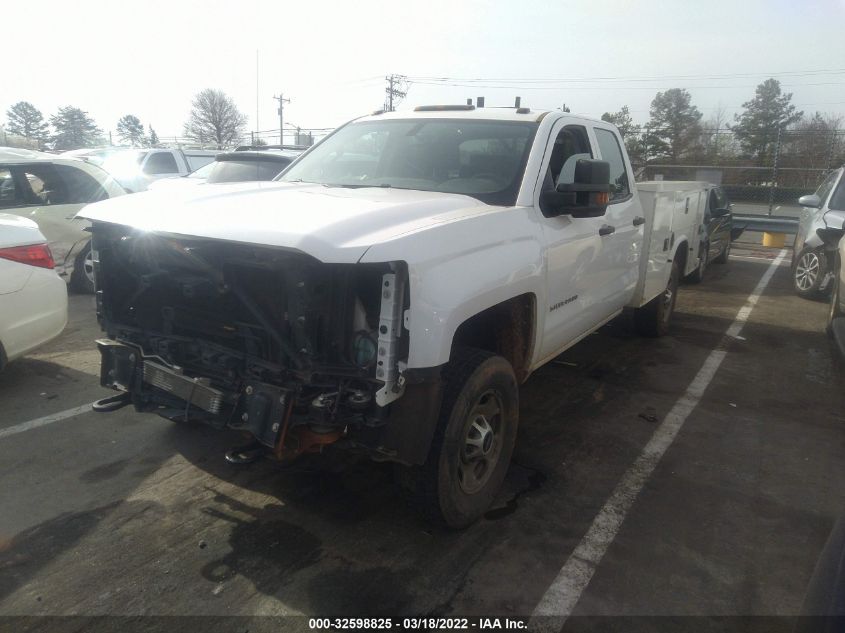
[586,197]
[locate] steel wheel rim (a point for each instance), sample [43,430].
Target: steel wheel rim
[807,271]
[88,265]
[482,442]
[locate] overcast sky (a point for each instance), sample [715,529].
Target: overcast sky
[330,58]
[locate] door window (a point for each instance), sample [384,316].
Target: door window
[612,153]
[161,163]
[8,192]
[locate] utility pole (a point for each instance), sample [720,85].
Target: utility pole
[282,101]
[396,90]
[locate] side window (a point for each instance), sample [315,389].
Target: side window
[571,144]
[40,184]
[8,193]
[81,187]
[837,200]
[161,163]
[612,153]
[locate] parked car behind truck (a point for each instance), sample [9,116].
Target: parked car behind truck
[135,169]
[811,256]
[49,190]
[392,290]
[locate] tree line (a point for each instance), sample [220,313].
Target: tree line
[213,119]
[676,132]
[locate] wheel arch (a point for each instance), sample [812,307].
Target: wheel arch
[508,329]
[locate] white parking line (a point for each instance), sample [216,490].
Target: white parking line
[47,419]
[563,594]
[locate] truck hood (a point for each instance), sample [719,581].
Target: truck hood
[332,224]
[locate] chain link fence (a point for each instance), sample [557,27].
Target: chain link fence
[792,164]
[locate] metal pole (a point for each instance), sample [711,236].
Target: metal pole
[775,171]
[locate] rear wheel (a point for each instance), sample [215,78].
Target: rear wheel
[82,278]
[474,440]
[808,273]
[654,318]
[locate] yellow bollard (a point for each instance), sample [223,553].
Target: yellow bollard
[776,240]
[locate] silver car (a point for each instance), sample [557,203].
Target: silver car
[811,257]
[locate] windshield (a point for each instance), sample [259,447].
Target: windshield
[243,170]
[202,172]
[482,159]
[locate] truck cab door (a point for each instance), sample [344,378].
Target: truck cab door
[621,248]
[574,247]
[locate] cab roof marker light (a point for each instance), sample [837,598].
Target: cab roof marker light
[443,108]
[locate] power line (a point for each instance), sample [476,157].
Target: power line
[421,79]
[552,87]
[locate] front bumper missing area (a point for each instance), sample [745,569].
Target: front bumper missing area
[154,385]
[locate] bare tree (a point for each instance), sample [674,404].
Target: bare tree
[215,119]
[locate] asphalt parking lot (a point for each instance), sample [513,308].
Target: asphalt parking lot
[128,514]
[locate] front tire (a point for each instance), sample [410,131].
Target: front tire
[835,306]
[808,273]
[697,276]
[722,258]
[655,317]
[474,440]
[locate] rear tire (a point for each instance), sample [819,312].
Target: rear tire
[473,443]
[808,273]
[655,317]
[82,278]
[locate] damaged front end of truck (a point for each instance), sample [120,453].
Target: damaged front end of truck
[294,352]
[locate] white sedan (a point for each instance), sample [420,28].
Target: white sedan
[33,298]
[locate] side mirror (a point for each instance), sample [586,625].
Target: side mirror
[720,213]
[586,197]
[811,200]
[834,228]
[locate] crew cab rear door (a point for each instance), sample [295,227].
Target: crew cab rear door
[624,216]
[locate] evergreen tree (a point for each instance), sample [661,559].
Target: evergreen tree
[757,127]
[130,130]
[24,119]
[674,127]
[74,129]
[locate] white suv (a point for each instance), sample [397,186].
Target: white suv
[50,190]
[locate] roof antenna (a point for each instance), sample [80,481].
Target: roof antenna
[517,101]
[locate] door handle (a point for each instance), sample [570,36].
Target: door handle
[607,230]
[639,220]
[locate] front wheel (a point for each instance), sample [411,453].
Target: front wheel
[722,258]
[474,440]
[808,273]
[835,304]
[654,318]
[697,276]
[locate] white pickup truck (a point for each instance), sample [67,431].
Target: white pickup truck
[391,290]
[135,169]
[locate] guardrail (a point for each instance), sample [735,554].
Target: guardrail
[767,223]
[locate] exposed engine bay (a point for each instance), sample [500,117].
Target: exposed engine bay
[297,352]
